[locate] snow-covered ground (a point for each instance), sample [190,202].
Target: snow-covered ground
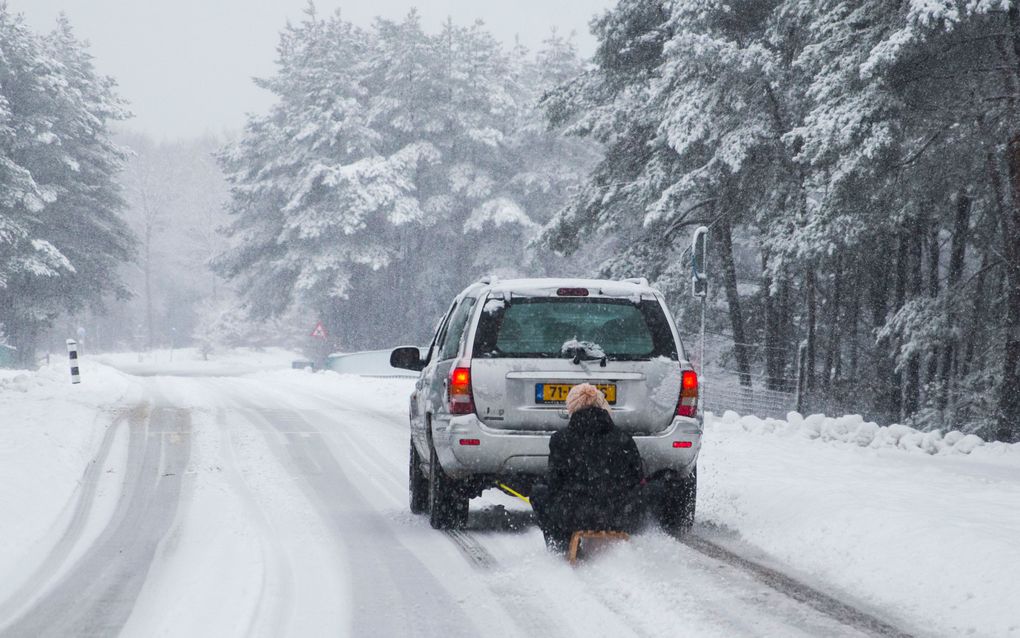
[274,503]
[49,433]
[189,361]
[932,536]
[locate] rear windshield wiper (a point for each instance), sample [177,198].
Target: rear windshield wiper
[580,354]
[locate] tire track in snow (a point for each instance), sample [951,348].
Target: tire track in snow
[278,585]
[509,591]
[472,550]
[523,605]
[476,553]
[483,560]
[370,460]
[389,578]
[88,488]
[97,595]
[373,464]
[817,600]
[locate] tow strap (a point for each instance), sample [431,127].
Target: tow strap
[512,492]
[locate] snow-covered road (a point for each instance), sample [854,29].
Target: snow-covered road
[275,504]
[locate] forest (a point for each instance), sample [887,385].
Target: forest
[867,157]
[857,164]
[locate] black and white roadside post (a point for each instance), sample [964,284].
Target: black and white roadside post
[72,355]
[699,279]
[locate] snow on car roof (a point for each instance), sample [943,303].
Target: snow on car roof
[549,286]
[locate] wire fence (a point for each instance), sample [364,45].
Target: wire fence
[719,396]
[720,388]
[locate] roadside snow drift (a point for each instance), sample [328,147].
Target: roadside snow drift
[854,429]
[919,523]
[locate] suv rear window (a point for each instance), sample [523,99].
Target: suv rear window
[547,327]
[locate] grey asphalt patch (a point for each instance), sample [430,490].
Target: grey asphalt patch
[472,549]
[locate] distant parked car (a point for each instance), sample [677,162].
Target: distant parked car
[494,379]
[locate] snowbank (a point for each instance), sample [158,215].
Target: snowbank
[922,524]
[49,432]
[854,430]
[6,374]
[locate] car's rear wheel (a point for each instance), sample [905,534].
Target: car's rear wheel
[417,484]
[676,510]
[448,504]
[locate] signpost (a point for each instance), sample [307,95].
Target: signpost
[319,332]
[699,278]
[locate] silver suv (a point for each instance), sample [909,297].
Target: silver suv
[493,382]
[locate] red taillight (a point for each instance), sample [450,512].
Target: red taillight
[470,442]
[461,377]
[688,404]
[461,401]
[572,292]
[681,444]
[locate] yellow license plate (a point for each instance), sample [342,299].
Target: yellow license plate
[557,392]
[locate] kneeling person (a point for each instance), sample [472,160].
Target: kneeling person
[594,473]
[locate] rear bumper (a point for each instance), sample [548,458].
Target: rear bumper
[505,452]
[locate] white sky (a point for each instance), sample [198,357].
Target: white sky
[186,65]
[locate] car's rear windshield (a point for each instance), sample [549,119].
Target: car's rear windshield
[558,327]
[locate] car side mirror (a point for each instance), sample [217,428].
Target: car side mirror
[407,358]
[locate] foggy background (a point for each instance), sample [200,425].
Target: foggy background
[186,66]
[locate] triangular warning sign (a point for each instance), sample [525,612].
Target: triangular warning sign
[320,331]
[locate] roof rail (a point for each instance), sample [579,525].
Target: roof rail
[489,280]
[641,281]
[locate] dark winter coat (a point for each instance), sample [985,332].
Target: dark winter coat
[594,469]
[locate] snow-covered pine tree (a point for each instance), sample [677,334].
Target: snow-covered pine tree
[62,232]
[862,154]
[545,164]
[899,140]
[692,100]
[21,254]
[611,103]
[393,170]
[309,187]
